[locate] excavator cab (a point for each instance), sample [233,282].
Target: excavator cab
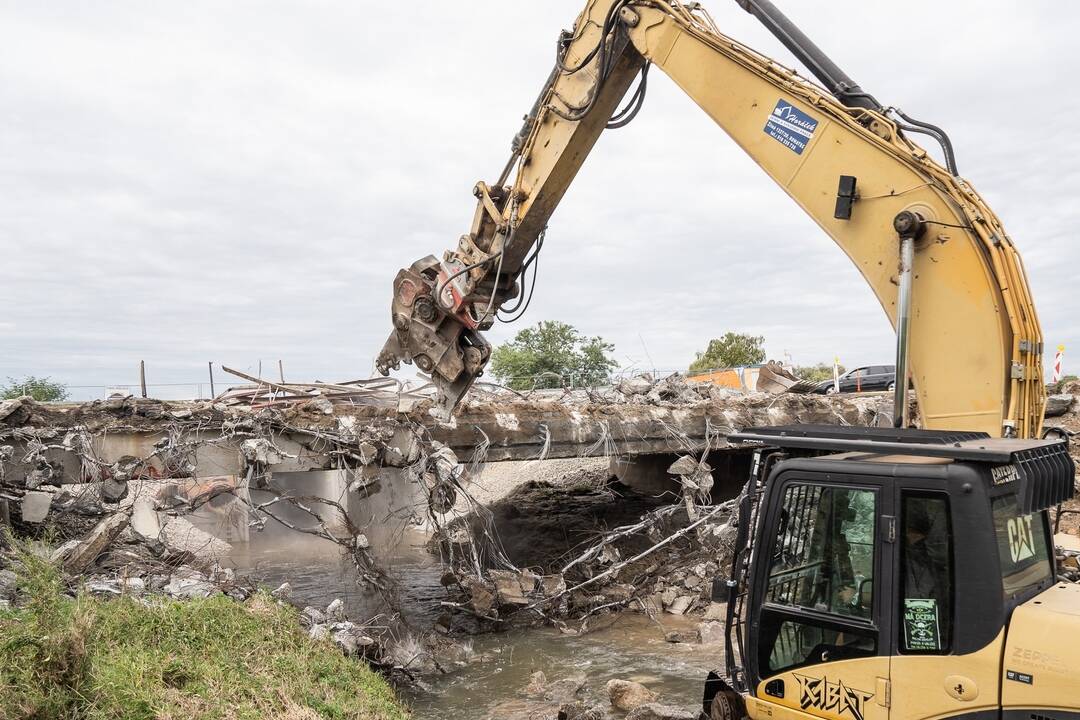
[895,573]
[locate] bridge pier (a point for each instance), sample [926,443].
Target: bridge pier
[648,474]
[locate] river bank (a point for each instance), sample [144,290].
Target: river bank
[151,657]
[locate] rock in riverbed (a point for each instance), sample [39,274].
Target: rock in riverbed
[626,695]
[710,632]
[656,711]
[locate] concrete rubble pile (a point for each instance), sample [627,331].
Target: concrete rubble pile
[377,392]
[665,561]
[1063,415]
[673,390]
[637,415]
[1068,560]
[123,523]
[52,463]
[678,578]
[491,588]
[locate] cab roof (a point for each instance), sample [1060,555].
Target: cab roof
[1043,469]
[952,444]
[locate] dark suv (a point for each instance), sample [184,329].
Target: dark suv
[871,377]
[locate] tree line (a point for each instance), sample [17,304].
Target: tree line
[553,354]
[550,354]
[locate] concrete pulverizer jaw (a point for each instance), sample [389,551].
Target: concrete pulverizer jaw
[437,342]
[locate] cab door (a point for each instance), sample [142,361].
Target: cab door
[820,622]
[949,614]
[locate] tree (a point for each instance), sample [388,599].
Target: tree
[550,355]
[815,373]
[41,389]
[732,350]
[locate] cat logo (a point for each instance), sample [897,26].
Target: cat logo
[820,694]
[1021,539]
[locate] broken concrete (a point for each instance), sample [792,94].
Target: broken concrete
[188,588]
[35,506]
[8,585]
[144,520]
[1058,405]
[174,444]
[183,538]
[119,442]
[100,538]
[615,425]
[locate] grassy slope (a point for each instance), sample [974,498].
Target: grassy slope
[91,659]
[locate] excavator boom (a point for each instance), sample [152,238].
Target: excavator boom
[974,338]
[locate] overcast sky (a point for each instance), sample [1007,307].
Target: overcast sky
[228,182]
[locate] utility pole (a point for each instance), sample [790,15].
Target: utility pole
[213,394]
[142,377]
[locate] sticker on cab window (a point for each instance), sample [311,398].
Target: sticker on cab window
[921,627]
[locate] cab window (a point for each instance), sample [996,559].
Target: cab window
[820,589]
[1022,547]
[926,574]
[800,643]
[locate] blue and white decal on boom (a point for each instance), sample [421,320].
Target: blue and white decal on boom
[790,126]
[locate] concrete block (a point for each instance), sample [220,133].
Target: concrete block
[35,506]
[101,537]
[144,520]
[180,536]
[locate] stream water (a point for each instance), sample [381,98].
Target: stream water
[490,685]
[626,647]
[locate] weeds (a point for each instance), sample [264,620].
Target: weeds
[82,658]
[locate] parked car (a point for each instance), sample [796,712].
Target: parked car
[870,377]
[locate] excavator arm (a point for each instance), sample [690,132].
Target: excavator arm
[973,336]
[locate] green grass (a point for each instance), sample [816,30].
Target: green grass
[92,659]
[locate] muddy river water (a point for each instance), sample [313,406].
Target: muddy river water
[490,684]
[627,647]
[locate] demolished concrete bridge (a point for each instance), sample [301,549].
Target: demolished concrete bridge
[51,444]
[375,460]
[110,443]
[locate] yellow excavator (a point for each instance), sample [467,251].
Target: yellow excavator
[879,573]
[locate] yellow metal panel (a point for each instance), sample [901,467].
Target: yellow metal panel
[971,306]
[935,686]
[842,690]
[729,378]
[1043,652]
